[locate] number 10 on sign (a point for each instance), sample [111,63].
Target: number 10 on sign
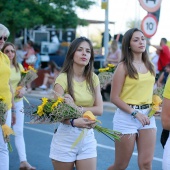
[149,25]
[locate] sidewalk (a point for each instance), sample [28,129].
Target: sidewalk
[38,93]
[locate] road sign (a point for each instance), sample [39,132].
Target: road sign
[104,4]
[150,5]
[149,25]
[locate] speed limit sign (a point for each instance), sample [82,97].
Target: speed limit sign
[149,25]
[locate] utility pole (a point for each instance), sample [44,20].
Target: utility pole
[105,6]
[106,33]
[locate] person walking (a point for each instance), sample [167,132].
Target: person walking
[80,85]
[16,68]
[131,92]
[6,93]
[165,118]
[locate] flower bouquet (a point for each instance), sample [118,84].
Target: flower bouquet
[111,134]
[56,110]
[156,102]
[27,76]
[105,74]
[5,128]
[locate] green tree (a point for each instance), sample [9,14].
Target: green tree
[20,14]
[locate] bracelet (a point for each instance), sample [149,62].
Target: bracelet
[133,114]
[72,122]
[81,108]
[13,110]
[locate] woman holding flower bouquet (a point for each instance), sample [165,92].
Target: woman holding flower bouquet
[132,90]
[6,93]
[16,68]
[79,86]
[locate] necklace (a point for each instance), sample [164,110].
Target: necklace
[139,66]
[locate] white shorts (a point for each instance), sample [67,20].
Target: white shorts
[61,145]
[126,124]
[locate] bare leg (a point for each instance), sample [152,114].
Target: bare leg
[123,152]
[46,77]
[146,145]
[86,164]
[62,165]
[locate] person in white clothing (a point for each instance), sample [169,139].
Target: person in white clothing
[16,68]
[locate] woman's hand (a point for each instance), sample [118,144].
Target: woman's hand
[143,118]
[68,99]
[21,92]
[84,123]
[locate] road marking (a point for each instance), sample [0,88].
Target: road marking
[99,145]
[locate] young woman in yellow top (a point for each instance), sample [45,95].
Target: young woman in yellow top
[6,93]
[16,68]
[79,85]
[131,92]
[165,115]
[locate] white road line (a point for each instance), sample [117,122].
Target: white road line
[99,145]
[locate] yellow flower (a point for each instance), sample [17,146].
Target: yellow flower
[7,130]
[40,110]
[59,100]
[24,71]
[156,100]
[107,68]
[44,100]
[111,65]
[31,68]
[101,70]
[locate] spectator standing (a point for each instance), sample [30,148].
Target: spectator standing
[7,94]
[164,54]
[16,68]
[29,53]
[114,54]
[165,118]
[131,92]
[20,53]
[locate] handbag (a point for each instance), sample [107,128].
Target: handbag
[31,60]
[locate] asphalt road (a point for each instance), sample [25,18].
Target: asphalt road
[38,139]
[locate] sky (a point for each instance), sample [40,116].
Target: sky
[122,11]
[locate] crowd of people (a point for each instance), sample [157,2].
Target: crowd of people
[132,88]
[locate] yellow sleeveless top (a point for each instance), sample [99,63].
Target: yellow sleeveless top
[138,91]
[5,72]
[166,93]
[82,95]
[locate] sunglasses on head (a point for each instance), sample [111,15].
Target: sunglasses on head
[7,51]
[4,38]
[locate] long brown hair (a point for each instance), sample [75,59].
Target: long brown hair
[14,61]
[68,66]
[127,55]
